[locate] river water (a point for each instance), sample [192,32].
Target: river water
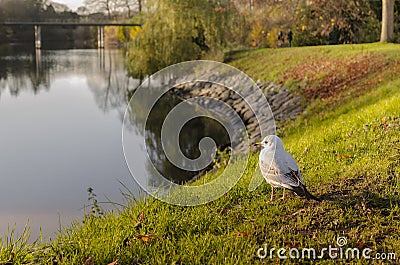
[61,119]
[60,133]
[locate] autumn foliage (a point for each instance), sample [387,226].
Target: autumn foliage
[329,78]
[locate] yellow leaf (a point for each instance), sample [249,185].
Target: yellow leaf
[145,238]
[244,233]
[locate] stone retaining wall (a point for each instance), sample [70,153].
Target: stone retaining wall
[284,105]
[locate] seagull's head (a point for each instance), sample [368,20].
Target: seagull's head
[271,142]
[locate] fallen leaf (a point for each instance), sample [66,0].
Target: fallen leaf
[225,211]
[89,261]
[360,245]
[145,238]
[244,233]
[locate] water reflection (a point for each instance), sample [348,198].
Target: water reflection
[103,69]
[189,137]
[60,133]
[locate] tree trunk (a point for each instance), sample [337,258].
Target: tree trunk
[108,8]
[140,6]
[387,20]
[129,8]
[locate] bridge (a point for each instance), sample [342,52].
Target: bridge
[38,24]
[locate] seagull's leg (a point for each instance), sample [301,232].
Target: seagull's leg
[283,196]
[272,192]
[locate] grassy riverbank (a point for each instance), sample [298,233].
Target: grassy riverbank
[347,144]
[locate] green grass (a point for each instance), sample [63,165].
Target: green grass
[271,64]
[349,153]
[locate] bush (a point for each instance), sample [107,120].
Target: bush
[305,38]
[370,32]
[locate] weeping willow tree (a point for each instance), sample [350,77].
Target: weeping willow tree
[177,31]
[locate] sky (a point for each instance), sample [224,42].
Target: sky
[73,4]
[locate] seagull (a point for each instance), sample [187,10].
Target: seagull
[280,169]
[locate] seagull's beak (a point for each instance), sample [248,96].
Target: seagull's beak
[259,144]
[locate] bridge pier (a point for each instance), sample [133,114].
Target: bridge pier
[38,24]
[38,37]
[100,37]
[38,59]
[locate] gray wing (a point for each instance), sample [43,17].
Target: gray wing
[283,171]
[293,167]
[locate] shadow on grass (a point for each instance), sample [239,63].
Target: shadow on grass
[364,200]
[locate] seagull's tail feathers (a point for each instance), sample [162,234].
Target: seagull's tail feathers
[310,196]
[302,191]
